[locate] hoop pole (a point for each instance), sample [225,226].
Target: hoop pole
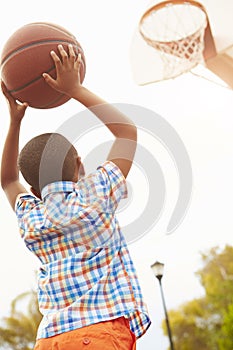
[209,44]
[222,66]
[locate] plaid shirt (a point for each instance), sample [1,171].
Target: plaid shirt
[87,275]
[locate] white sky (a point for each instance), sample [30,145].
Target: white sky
[200,112]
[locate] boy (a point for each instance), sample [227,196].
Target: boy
[88,290]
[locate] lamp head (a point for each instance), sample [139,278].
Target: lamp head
[158,269]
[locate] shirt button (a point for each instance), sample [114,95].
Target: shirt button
[86,341]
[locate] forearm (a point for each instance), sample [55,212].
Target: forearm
[9,168]
[123,149]
[119,125]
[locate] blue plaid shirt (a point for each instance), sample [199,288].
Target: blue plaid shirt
[87,275]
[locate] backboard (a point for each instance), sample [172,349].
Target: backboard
[147,65]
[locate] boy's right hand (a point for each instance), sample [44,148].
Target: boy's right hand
[68,71]
[17,110]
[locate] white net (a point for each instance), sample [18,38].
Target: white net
[176,31]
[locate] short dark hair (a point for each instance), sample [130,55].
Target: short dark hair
[47,158]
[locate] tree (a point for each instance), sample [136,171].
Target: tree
[226,341]
[206,323]
[18,331]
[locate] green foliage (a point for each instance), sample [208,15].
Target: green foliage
[226,341]
[207,323]
[18,331]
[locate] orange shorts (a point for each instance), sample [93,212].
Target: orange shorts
[109,335]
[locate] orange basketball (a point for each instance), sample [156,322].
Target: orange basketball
[26,55]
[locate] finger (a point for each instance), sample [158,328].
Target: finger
[25,106]
[56,60]
[49,80]
[63,53]
[79,58]
[78,61]
[71,52]
[4,88]
[6,93]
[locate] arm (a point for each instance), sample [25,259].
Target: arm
[9,169]
[124,146]
[125,132]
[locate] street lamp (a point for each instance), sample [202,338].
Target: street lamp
[158,269]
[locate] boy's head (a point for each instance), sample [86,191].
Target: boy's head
[49,158]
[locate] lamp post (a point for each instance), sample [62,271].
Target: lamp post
[158,269]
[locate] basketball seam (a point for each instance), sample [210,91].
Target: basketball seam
[8,56]
[31,81]
[54,26]
[52,102]
[47,105]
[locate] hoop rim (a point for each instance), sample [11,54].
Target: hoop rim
[209,48]
[163,4]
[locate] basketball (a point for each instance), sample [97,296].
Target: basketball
[26,55]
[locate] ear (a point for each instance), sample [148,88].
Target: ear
[81,170]
[38,195]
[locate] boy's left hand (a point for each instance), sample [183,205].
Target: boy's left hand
[17,110]
[68,71]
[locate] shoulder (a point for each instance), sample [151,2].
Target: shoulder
[103,175]
[111,170]
[25,202]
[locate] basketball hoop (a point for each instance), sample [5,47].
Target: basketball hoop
[178,31]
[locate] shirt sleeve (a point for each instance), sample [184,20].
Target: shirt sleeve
[25,202]
[24,206]
[114,183]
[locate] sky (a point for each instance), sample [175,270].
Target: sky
[198,109]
